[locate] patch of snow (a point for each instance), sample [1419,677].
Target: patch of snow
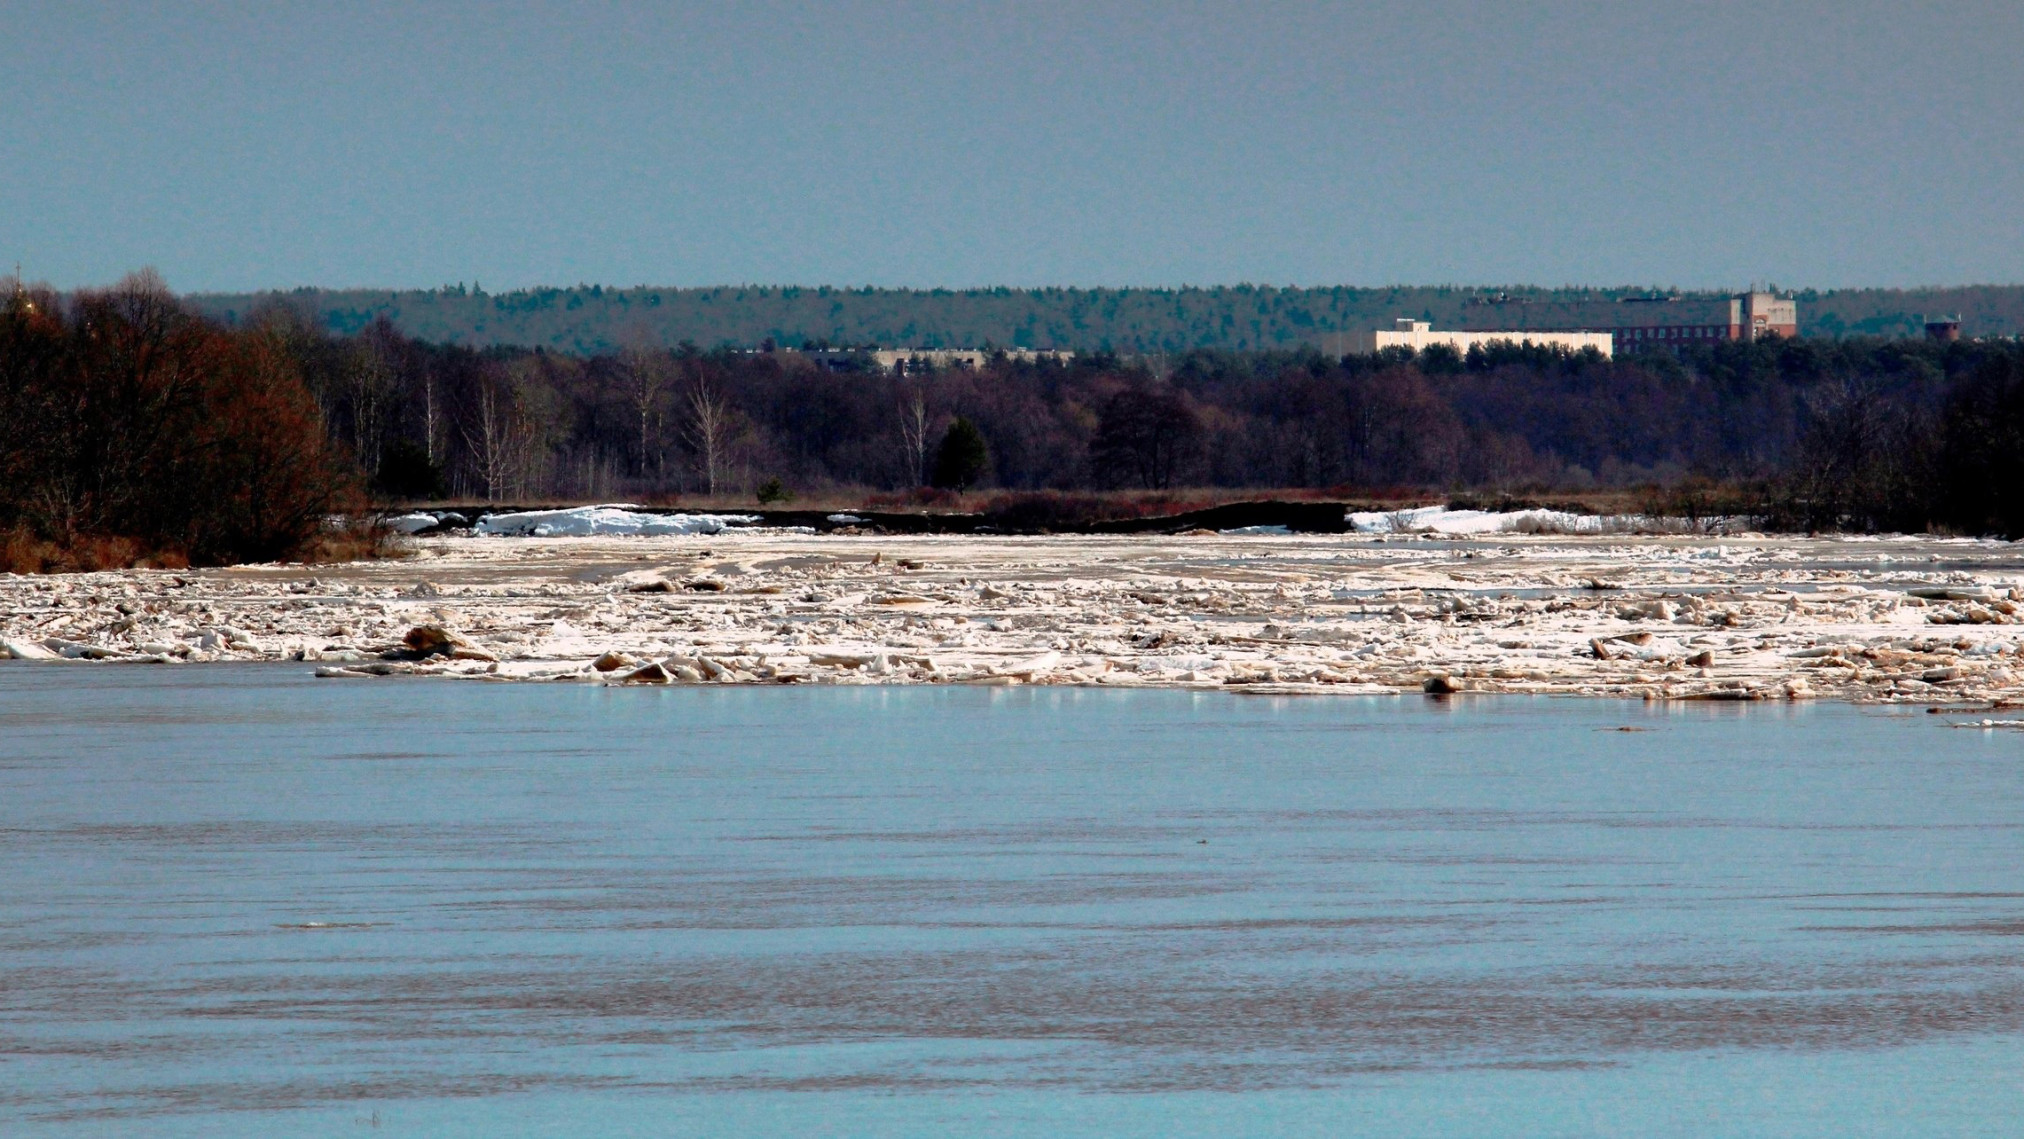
[1441,520]
[1178,662]
[1660,648]
[1241,531]
[845,519]
[584,521]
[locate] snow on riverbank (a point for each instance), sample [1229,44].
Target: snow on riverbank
[1441,520]
[618,519]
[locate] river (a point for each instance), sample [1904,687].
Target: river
[240,901]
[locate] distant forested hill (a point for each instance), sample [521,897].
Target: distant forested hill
[590,319]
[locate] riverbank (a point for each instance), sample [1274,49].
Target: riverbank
[1748,617]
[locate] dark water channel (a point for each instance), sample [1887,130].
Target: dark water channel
[239,901]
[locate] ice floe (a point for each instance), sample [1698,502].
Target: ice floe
[1688,617]
[622,518]
[413,523]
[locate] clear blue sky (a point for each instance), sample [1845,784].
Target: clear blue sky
[278,144]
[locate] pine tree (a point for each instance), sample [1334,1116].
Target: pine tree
[963,457]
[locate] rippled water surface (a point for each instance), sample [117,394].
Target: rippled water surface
[238,901]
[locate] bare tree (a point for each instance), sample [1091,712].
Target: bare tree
[708,430]
[488,438]
[1146,435]
[914,434]
[1158,366]
[368,389]
[432,425]
[645,374]
[504,432]
[597,473]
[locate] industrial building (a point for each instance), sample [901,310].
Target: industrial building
[1636,323]
[1419,335]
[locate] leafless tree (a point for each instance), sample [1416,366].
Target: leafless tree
[1158,366]
[596,473]
[645,376]
[369,394]
[914,434]
[708,430]
[489,439]
[432,425]
[503,434]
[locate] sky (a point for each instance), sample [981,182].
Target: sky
[415,144]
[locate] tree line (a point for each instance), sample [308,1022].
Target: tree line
[1864,433]
[125,413]
[592,319]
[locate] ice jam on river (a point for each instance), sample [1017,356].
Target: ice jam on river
[1462,609]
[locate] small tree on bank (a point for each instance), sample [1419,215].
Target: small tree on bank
[963,458]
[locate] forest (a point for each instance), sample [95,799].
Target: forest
[127,416]
[593,319]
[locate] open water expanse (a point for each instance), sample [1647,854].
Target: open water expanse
[239,901]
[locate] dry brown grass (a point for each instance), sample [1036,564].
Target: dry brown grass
[21,551]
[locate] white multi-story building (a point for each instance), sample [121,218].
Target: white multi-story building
[1419,335]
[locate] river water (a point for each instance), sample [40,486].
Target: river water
[240,901]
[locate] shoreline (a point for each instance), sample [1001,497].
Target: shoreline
[1872,620]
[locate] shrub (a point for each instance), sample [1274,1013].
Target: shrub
[133,430]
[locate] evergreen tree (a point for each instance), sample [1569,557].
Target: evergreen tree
[963,458]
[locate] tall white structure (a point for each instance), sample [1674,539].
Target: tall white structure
[1419,335]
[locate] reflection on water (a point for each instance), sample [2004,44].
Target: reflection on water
[236,897]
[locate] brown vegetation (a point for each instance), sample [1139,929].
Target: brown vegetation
[134,431]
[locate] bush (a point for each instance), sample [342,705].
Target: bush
[133,430]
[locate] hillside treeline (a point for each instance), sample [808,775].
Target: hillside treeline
[591,319]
